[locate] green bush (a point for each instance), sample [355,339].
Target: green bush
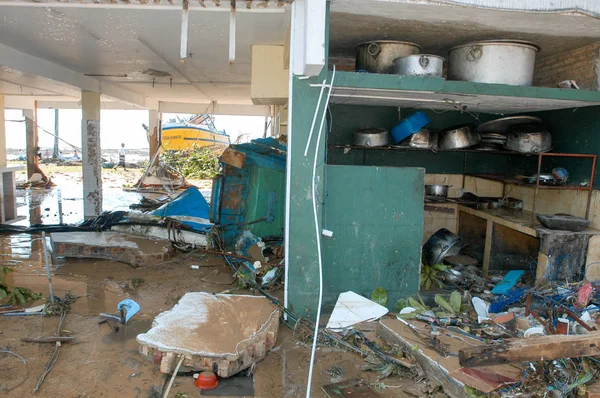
[196,162]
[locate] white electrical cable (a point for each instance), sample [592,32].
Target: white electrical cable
[318,236]
[312,126]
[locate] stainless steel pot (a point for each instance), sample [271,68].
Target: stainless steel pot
[437,190]
[493,61]
[529,138]
[423,139]
[458,137]
[378,56]
[441,244]
[371,137]
[419,65]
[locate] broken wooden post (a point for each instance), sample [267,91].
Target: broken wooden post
[544,348]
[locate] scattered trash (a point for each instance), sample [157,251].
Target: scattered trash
[507,283]
[206,381]
[130,307]
[351,309]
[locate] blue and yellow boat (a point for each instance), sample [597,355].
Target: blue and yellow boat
[198,130]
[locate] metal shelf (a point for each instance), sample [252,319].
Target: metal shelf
[516,181]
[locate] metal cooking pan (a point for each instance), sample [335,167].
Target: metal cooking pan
[529,138]
[458,137]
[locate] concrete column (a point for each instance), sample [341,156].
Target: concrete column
[31,141]
[154,132]
[91,155]
[2,133]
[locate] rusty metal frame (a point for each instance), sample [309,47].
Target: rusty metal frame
[589,188]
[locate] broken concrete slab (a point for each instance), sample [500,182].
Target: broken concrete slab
[220,333]
[110,245]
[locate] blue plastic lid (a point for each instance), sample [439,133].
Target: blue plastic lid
[409,125]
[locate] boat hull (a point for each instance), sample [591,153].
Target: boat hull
[186,137]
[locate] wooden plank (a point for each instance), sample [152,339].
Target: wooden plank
[544,348]
[489,232]
[47,339]
[439,209]
[233,158]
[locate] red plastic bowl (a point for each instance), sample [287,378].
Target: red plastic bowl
[207,381]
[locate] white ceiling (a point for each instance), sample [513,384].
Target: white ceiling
[438,25]
[119,45]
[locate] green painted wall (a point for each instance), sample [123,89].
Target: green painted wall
[376,215]
[303,277]
[574,131]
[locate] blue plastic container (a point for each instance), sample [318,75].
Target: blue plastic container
[409,125]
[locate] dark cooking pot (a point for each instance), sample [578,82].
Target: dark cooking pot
[441,244]
[437,190]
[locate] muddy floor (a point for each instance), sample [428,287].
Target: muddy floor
[103,363]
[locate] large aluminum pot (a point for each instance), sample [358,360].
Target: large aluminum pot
[458,137]
[441,244]
[419,65]
[493,61]
[371,137]
[378,56]
[529,138]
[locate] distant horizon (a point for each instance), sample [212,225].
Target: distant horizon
[117,126]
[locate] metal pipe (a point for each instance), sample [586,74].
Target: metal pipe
[46,260]
[592,178]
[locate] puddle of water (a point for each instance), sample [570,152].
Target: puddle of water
[64,204]
[127,331]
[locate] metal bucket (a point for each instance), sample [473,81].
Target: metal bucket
[493,61]
[378,56]
[419,65]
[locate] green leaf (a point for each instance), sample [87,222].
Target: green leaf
[455,301]
[379,296]
[401,303]
[417,305]
[440,267]
[439,300]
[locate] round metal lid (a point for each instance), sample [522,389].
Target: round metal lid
[410,43]
[521,43]
[502,125]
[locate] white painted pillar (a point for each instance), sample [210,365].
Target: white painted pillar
[91,155]
[2,133]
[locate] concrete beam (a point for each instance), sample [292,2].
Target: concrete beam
[219,109]
[308,23]
[28,63]
[256,6]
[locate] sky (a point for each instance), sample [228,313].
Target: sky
[116,127]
